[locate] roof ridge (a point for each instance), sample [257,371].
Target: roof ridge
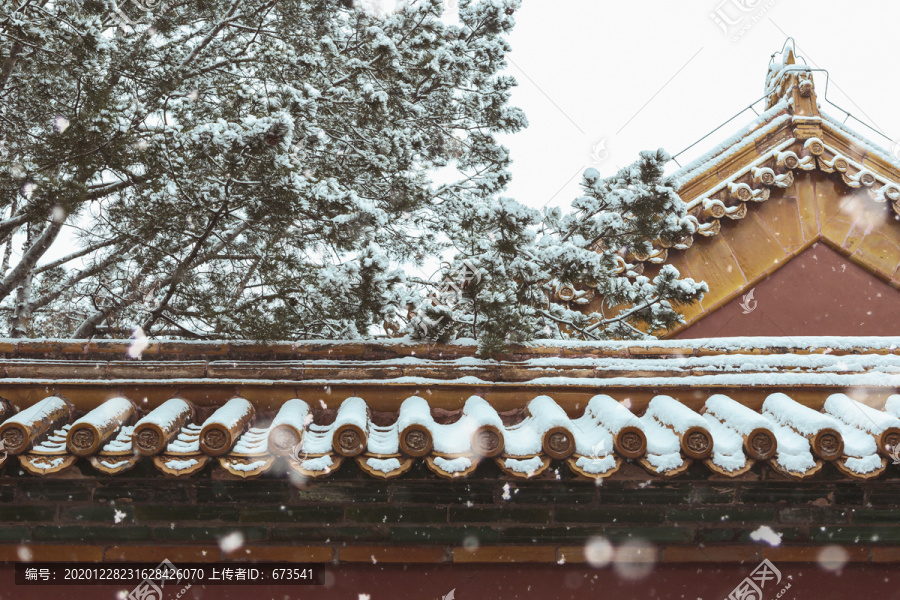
[185,351]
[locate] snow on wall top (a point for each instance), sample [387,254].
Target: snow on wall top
[19,350]
[524,443]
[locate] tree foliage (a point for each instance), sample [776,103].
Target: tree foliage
[272,169]
[527,258]
[238,168]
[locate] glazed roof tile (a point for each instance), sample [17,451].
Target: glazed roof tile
[792,404]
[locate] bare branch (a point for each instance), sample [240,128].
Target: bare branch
[73,279]
[179,273]
[212,33]
[10,225]
[79,254]
[31,256]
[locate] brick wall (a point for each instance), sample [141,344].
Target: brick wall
[419,518]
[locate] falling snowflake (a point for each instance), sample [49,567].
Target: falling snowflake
[766,534]
[598,552]
[60,124]
[506,494]
[833,558]
[634,560]
[140,343]
[298,480]
[231,542]
[57,214]
[24,553]
[119,516]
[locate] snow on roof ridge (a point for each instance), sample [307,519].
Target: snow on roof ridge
[774,344]
[871,146]
[762,124]
[745,342]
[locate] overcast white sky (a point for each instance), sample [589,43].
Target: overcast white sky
[648,74]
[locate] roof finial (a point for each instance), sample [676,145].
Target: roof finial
[788,53]
[785,77]
[790,59]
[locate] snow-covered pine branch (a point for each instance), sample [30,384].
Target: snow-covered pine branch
[569,275]
[319,124]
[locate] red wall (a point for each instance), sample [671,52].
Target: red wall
[820,292]
[525,582]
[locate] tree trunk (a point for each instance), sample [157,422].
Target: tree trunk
[7,248]
[30,257]
[22,316]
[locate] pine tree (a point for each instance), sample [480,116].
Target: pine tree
[239,168]
[526,260]
[262,169]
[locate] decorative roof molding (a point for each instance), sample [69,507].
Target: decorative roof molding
[775,169]
[791,137]
[790,179]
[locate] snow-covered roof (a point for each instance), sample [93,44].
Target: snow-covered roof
[791,178]
[793,404]
[793,135]
[767,155]
[724,435]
